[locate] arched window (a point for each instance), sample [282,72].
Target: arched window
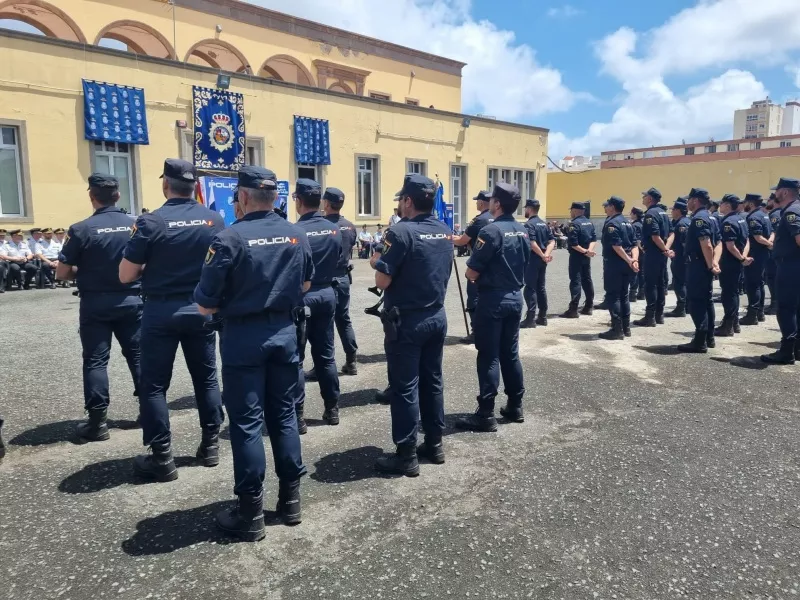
[37,16]
[340,86]
[136,37]
[219,55]
[287,68]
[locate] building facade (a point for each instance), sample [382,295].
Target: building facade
[762,120]
[390,110]
[791,118]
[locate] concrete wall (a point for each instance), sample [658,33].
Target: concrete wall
[719,177]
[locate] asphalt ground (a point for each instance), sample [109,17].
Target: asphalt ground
[638,473]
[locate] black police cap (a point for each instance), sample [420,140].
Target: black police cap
[636,211]
[532,203]
[180,170]
[506,191]
[700,193]
[36,230]
[257,178]
[754,198]
[334,195]
[415,184]
[731,199]
[578,206]
[616,202]
[15,232]
[680,204]
[307,187]
[652,192]
[483,195]
[101,180]
[787,183]
[59,230]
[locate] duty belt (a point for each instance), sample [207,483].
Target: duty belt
[168,297]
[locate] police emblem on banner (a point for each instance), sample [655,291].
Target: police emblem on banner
[219,130]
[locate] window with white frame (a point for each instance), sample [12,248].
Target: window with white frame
[420,167]
[648,154]
[518,181]
[116,158]
[458,190]
[492,179]
[711,149]
[786,144]
[733,147]
[366,187]
[755,145]
[11,203]
[505,175]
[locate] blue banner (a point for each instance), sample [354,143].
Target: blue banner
[283,195]
[114,113]
[311,141]
[218,196]
[448,215]
[219,136]
[438,203]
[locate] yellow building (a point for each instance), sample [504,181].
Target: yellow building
[390,109]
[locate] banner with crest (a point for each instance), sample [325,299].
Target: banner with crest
[219,134]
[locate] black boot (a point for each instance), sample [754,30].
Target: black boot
[697,345]
[432,451]
[660,316]
[542,320]
[615,333]
[350,367]
[482,420]
[761,316]
[772,309]
[725,328]
[512,413]
[588,308]
[626,326]
[632,297]
[246,520]
[737,328]
[288,506]
[711,341]
[208,451]
[679,311]
[383,397]
[784,356]
[602,306]
[403,462]
[95,429]
[311,375]
[751,318]
[158,465]
[528,322]
[331,415]
[572,312]
[648,320]
[640,295]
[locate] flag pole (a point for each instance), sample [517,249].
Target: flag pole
[455,262]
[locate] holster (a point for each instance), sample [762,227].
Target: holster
[391,323]
[215,324]
[350,274]
[300,317]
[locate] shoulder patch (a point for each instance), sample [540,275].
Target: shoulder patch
[791,217]
[387,245]
[134,229]
[66,240]
[648,220]
[611,228]
[572,227]
[699,222]
[210,255]
[480,243]
[728,228]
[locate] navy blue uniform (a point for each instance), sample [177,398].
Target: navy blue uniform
[787,276]
[699,278]
[680,228]
[326,248]
[108,307]
[757,224]
[172,242]
[536,272]
[501,257]
[637,282]
[254,273]
[580,232]
[772,266]
[617,275]
[656,223]
[472,230]
[344,326]
[734,229]
[418,256]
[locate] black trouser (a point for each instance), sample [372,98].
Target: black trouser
[678,267]
[655,284]
[16,270]
[3,274]
[754,277]
[730,274]
[699,283]
[580,277]
[637,279]
[535,293]
[48,274]
[769,275]
[616,282]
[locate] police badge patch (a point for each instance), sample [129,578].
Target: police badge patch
[480,243]
[210,255]
[791,218]
[134,229]
[699,222]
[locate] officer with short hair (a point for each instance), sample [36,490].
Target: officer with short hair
[333,200]
[414,270]
[542,245]
[470,236]
[702,264]
[774,214]
[326,248]
[735,256]
[680,228]
[19,257]
[655,234]
[637,282]
[760,230]
[91,254]
[787,257]
[498,266]
[166,250]
[253,279]
[47,251]
[620,264]
[581,240]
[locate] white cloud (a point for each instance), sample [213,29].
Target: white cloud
[445,27]
[564,12]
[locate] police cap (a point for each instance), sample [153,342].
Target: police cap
[731,199]
[636,211]
[578,206]
[257,178]
[36,230]
[714,203]
[532,203]
[652,192]
[101,180]
[787,183]
[59,230]
[47,230]
[616,202]
[180,170]
[307,187]
[505,191]
[15,232]
[700,193]
[334,195]
[415,185]
[3,232]
[680,204]
[483,195]
[754,198]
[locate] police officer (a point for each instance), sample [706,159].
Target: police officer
[498,266]
[542,245]
[470,236]
[20,260]
[414,269]
[47,251]
[620,264]
[774,214]
[760,230]
[91,254]
[326,247]
[787,257]
[702,264]
[736,247]
[166,249]
[3,261]
[581,240]
[333,200]
[637,282]
[655,232]
[680,227]
[253,278]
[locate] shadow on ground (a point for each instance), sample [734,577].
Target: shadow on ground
[660,350]
[351,465]
[109,474]
[753,363]
[581,337]
[185,403]
[367,359]
[358,398]
[61,431]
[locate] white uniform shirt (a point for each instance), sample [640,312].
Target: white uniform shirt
[49,249]
[13,249]
[364,236]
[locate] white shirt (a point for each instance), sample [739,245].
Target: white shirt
[49,249]
[12,249]
[394,219]
[364,236]
[378,237]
